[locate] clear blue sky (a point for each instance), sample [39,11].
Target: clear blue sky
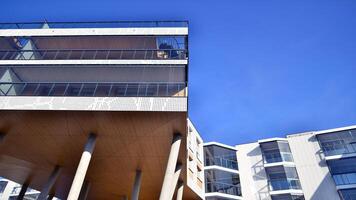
[258,69]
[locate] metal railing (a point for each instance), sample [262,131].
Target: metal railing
[345,179]
[223,162]
[278,157]
[284,184]
[223,188]
[338,147]
[93,89]
[92,54]
[102,24]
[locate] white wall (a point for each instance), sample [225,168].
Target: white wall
[316,181]
[253,177]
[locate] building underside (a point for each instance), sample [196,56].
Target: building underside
[34,142]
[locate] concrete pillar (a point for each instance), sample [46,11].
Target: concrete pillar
[82,168]
[50,182]
[175,180]
[170,169]
[85,190]
[8,189]
[23,191]
[137,185]
[180,190]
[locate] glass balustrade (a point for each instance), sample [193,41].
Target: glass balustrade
[92,54]
[93,89]
[284,184]
[223,188]
[278,157]
[103,24]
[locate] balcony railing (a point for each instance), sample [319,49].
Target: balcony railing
[278,157]
[89,54]
[93,89]
[108,24]
[345,179]
[223,162]
[338,147]
[284,184]
[223,188]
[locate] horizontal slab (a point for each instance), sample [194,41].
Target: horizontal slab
[93,62]
[94,31]
[170,104]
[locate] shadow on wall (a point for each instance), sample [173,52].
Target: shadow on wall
[319,153]
[327,187]
[259,174]
[323,191]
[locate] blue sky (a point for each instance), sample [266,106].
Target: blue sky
[258,68]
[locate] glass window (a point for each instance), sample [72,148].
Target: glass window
[222,182]
[216,155]
[349,194]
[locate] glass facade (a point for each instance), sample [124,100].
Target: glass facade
[103,24]
[336,143]
[282,178]
[276,151]
[349,194]
[91,79]
[287,197]
[216,155]
[343,170]
[222,182]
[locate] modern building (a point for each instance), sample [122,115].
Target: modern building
[97,110]
[222,178]
[314,165]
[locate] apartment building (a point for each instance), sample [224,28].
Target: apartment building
[97,110]
[222,177]
[313,165]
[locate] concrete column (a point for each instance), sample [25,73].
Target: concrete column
[50,182]
[175,180]
[85,190]
[137,185]
[180,190]
[8,189]
[23,191]
[82,168]
[170,169]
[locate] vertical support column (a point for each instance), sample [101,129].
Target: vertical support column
[8,189]
[23,190]
[85,190]
[82,168]
[170,169]
[50,182]
[137,185]
[180,190]
[175,180]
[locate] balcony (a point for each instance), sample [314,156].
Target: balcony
[223,162]
[88,89]
[223,188]
[92,54]
[284,184]
[278,157]
[108,24]
[345,179]
[338,148]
